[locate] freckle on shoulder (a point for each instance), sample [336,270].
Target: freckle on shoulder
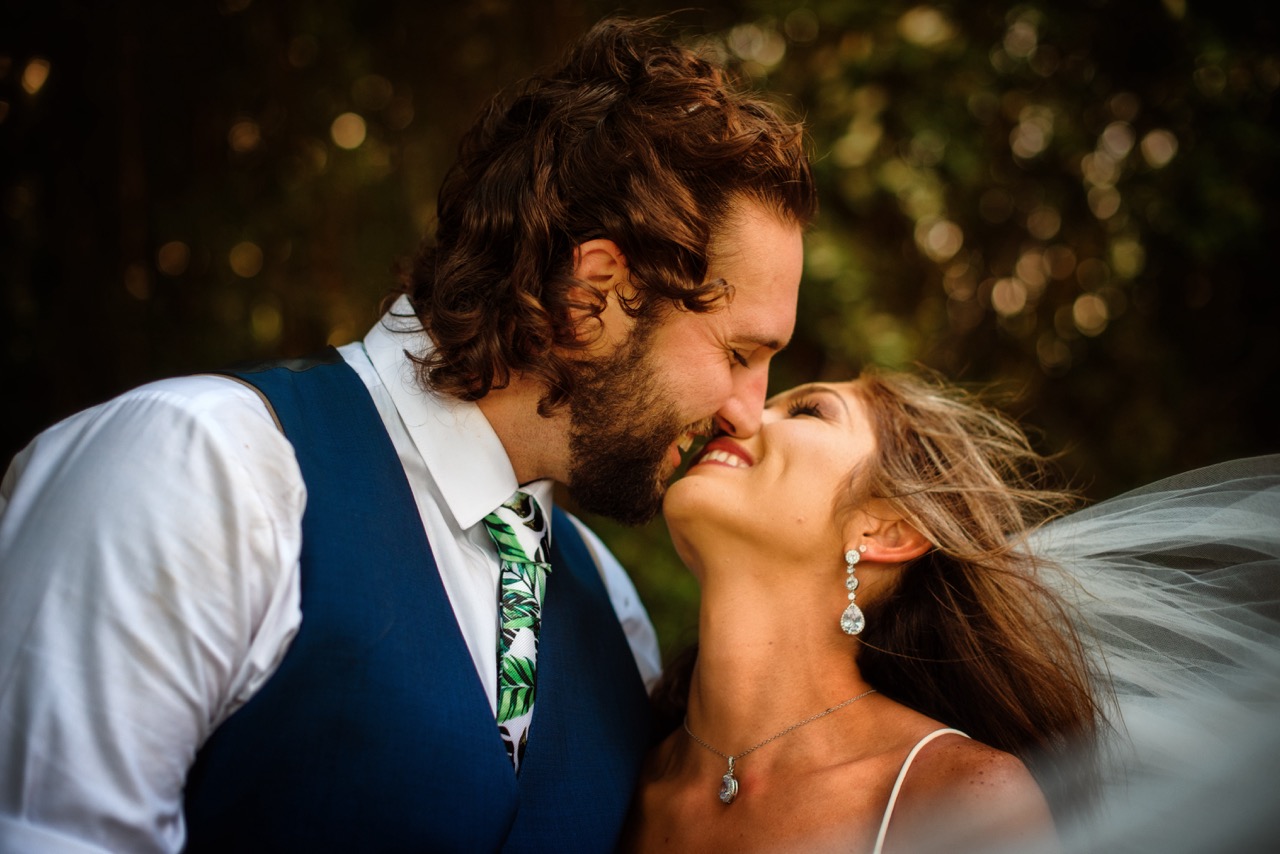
[958,763]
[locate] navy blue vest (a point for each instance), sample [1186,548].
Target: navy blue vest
[375,733]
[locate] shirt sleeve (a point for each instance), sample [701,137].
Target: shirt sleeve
[626,603]
[148,584]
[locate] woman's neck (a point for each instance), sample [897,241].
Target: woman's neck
[767,659]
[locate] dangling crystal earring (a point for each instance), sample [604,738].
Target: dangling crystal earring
[852,620]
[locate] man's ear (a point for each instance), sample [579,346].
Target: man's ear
[601,264]
[605,279]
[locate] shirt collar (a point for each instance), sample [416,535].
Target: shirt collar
[464,455]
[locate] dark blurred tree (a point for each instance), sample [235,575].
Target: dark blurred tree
[1072,199]
[197,182]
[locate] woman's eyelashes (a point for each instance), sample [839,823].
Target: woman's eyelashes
[804,406]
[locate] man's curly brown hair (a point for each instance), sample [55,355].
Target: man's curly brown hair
[633,138]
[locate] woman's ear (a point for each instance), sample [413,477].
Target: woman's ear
[881,535]
[894,542]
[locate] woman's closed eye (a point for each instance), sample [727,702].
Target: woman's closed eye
[804,406]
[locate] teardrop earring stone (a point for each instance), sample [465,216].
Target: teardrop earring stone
[852,620]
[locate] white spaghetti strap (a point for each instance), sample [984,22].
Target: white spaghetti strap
[902,775]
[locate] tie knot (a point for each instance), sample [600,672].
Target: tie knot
[519,529]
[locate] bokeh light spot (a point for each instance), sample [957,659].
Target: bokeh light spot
[1020,39]
[801,25]
[35,75]
[1033,132]
[348,131]
[1054,354]
[173,258]
[1008,297]
[314,156]
[1043,222]
[1100,169]
[1158,147]
[754,43]
[246,259]
[1030,269]
[244,136]
[137,281]
[1090,314]
[927,147]
[1117,140]
[340,335]
[959,281]
[940,239]
[1125,106]
[925,26]
[1104,202]
[859,143]
[1128,257]
[266,323]
[1210,80]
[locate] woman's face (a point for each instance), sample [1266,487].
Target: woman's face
[779,490]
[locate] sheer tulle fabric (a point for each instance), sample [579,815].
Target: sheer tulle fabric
[1177,587]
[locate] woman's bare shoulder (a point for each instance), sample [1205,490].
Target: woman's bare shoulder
[965,767]
[975,794]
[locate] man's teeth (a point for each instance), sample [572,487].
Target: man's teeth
[726,458]
[686,442]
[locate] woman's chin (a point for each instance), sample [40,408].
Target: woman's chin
[682,496]
[688,508]
[672,501]
[694,509]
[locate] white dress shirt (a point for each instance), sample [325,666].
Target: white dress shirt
[149,584]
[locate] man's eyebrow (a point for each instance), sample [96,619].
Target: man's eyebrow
[760,341]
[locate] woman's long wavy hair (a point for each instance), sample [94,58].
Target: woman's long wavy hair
[633,138]
[971,634]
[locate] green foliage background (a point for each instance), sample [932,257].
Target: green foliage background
[1072,199]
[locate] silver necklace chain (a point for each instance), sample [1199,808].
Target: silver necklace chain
[729,789]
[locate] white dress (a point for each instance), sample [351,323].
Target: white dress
[902,775]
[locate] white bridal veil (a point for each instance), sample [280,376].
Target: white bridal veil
[1178,589]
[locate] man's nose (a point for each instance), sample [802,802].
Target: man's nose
[741,414]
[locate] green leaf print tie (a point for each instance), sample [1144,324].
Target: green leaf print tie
[519,530]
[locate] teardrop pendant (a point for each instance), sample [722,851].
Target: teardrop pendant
[728,785]
[852,620]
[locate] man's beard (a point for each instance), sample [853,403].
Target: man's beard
[619,431]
